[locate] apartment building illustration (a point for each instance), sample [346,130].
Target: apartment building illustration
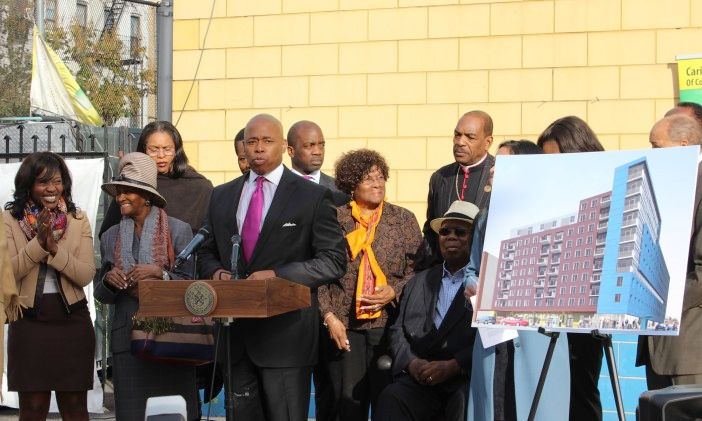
[603,259]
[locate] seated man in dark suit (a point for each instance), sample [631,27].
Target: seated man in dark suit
[431,341]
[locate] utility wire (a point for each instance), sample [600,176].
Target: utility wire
[199,61]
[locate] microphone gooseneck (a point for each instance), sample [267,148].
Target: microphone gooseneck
[234,261]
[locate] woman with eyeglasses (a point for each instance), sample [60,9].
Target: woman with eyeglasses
[381,241]
[186,191]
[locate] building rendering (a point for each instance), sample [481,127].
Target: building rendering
[604,259]
[636,264]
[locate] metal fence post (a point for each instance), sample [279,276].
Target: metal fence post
[164,80]
[39,16]
[49,127]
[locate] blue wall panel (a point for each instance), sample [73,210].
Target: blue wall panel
[632,381]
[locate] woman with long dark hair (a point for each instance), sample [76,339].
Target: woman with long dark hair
[570,135]
[52,345]
[177,180]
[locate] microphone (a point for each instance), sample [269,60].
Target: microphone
[234,262]
[194,244]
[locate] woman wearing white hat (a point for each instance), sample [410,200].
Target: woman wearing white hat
[142,246]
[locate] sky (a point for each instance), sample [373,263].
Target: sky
[533,188]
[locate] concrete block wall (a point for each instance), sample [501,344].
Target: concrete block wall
[395,75]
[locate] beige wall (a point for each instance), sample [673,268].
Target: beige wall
[394,75]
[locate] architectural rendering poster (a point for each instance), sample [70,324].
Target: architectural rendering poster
[578,242]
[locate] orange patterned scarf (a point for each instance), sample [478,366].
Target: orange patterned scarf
[369,273]
[57,219]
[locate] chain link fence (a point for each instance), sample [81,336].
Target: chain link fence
[110,48]
[74,141]
[109,45]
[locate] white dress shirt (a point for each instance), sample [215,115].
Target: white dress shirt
[269,188]
[315,175]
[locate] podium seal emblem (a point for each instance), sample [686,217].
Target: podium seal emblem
[200,298]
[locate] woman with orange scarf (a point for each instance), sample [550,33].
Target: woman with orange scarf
[381,241]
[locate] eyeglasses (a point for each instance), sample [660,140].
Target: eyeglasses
[459,232]
[370,180]
[160,151]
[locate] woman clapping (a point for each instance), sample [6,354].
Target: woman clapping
[52,347]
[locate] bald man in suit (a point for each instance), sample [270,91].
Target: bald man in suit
[289,229]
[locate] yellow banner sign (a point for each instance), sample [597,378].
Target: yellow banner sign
[690,79]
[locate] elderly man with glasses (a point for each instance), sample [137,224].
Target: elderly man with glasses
[431,341]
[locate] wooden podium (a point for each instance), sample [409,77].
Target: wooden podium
[234,298]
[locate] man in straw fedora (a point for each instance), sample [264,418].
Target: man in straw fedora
[431,341]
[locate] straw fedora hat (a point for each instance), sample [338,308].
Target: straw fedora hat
[458,211]
[136,170]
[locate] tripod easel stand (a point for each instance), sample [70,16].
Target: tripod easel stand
[606,341]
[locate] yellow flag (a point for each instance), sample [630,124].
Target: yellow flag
[54,89]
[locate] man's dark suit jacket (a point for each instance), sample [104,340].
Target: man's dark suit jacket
[442,192]
[679,355]
[302,242]
[413,334]
[339,197]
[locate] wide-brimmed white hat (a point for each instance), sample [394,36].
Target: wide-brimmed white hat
[458,211]
[139,171]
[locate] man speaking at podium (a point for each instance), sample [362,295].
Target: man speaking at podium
[288,229]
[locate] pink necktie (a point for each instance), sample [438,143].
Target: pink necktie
[308,177]
[252,220]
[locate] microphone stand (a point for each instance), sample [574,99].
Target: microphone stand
[225,323]
[194,272]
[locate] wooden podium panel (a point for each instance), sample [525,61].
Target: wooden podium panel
[235,298]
